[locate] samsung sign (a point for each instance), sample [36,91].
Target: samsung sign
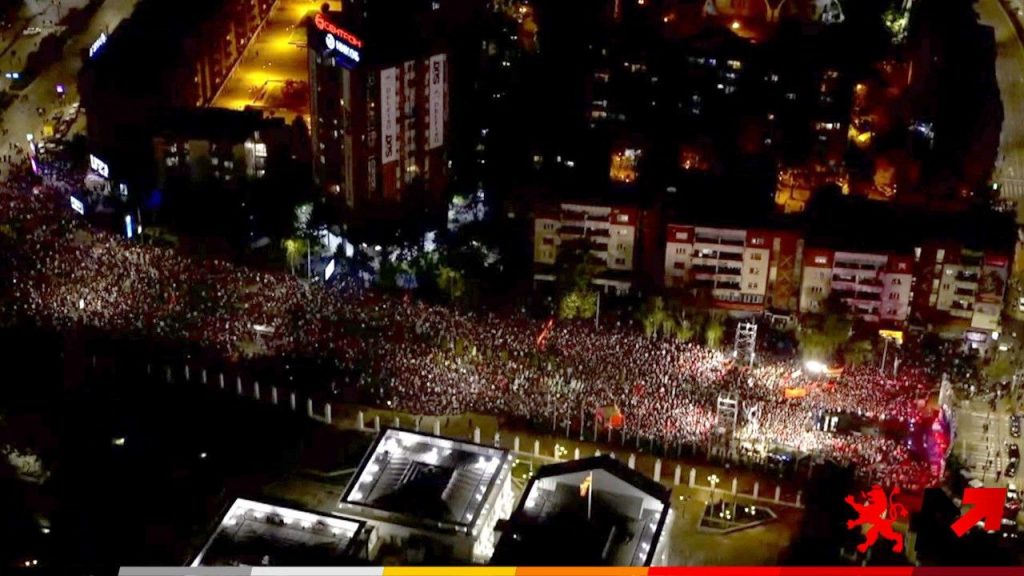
[339,40]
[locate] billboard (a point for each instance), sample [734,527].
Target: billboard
[77,205]
[992,284]
[338,41]
[389,115]
[99,166]
[435,102]
[329,271]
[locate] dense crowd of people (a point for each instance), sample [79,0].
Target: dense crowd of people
[430,359]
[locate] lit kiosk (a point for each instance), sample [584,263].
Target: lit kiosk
[430,500]
[590,512]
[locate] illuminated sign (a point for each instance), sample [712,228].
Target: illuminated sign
[99,166]
[339,40]
[77,205]
[329,271]
[323,24]
[129,229]
[97,44]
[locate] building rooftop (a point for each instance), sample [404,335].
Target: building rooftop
[425,481]
[256,533]
[590,512]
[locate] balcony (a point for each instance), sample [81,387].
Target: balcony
[700,239]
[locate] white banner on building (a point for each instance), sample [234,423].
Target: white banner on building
[389,115]
[436,102]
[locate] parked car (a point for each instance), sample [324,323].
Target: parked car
[1011,469]
[31,31]
[1014,453]
[1015,425]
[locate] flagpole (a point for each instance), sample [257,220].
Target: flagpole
[590,495]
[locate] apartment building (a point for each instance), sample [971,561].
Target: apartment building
[742,269]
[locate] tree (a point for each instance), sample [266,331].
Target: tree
[580,303]
[576,269]
[859,352]
[450,282]
[294,251]
[714,330]
[820,335]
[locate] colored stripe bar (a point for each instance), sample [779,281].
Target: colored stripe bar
[449,571]
[567,571]
[184,571]
[317,571]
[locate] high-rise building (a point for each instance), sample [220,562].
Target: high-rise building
[379,114]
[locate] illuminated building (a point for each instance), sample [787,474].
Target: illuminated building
[962,286]
[379,114]
[750,270]
[589,512]
[625,165]
[610,234]
[225,145]
[430,500]
[253,533]
[874,286]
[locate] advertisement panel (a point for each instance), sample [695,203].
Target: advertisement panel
[389,115]
[436,101]
[992,283]
[338,41]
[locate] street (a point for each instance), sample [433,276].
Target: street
[276,56]
[1009,170]
[21,118]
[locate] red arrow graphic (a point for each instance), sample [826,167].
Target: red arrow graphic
[988,505]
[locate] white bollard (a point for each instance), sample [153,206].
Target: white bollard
[497,439]
[734,486]
[476,434]
[799,495]
[778,493]
[221,378]
[396,423]
[167,374]
[632,461]
[238,385]
[657,470]
[417,423]
[437,427]
[376,422]
[515,444]
[693,477]
[309,407]
[576,453]
[359,420]
[612,455]
[149,369]
[327,412]
[188,374]
[291,400]
[679,473]
[273,395]
[202,376]
[757,489]
[536,447]
[597,453]
[256,390]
